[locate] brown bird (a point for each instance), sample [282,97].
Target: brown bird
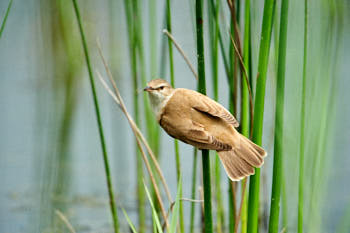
[201,122]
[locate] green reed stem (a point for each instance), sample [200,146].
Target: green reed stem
[220,206]
[153,51]
[151,125]
[221,43]
[254,185]
[231,206]
[163,50]
[153,36]
[130,19]
[208,220]
[284,203]
[245,103]
[246,60]
[172,82]
[99,122]
[233,107]
[302,126]
[193,188]
[214,39]
[5,17]
[279,115]
[170,45]
[232,80]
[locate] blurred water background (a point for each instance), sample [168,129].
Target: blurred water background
[50,155]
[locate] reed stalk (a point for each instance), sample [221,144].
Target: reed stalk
[284,203]
[163,50]
[153,36]
[132,35]
[302,126]
[153,129]
[279,119]
[232,108]
[245,82]
[185,57]
[151,124]
[65,220]
[208,221]
[245,105]
[65,74]
[193,188]
[172,82]
[231,191]
[254,185]
[231,205]
[221,43]
[5,17]
[232,81]
[214,39]
[99,121]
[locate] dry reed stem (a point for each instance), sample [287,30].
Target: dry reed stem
[231,5]
[120,102]
[166,32]
[234,197]
[240,207]
[251,123]
[138,131]
[134,128]
[65,221]
[246,79]
[201,194]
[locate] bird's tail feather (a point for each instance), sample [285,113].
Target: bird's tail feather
[240,161]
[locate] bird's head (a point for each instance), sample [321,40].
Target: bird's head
[159,92]
[159,87]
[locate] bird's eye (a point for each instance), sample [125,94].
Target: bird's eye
[161,88]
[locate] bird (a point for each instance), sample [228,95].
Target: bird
[196,119]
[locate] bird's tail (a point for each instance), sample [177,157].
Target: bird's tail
[240,161]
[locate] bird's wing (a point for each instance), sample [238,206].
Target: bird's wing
[205,104]
[197,134]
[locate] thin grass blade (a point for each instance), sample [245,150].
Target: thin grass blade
[175,215]
[131,225]
[5,17]
[193,189]
[154,211]
[99,121]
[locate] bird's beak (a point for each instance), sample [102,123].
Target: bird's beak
[148,89]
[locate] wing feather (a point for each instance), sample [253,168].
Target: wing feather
[200,136]
[205,104]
